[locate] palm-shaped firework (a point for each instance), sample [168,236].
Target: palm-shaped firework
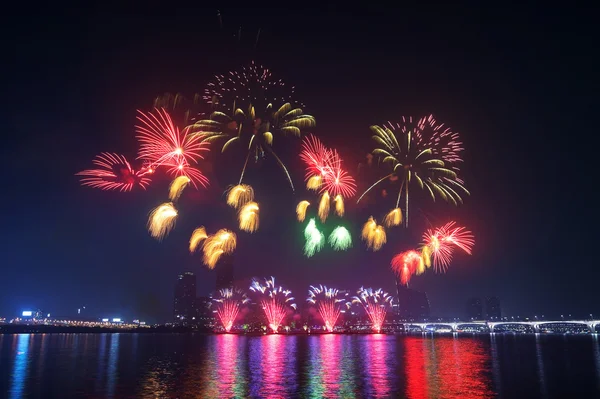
[275,301]
[421,152]
[329,302]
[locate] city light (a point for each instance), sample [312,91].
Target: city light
[27,313]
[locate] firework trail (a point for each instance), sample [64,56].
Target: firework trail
[375,303]
[197,237]
[216,245]
[339,205]
[421,152]
[114,172]
[228,306]
[162,220]
[275,301]
[177,186]
[373,234]
[340,239]
[239,195]
[163,144]
[328,304]
[301,210]
[249,217]
[324,207]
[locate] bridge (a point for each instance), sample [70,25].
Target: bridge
[537,325]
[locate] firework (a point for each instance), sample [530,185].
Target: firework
[441,243]
[253,84]
[161,143]
[324,169]
[162,220]
[248,217]
[315,239]
[228,306]
[375,303]
[421,152]
[301,210]
[275,301]
[177,186]
[216,245]
[426,255]
[314,183]
[339,205]
[373,234]
[254,132]
[340,239]
[328,304]
[197,237]
[114,172]
[240,195]
[324,207]
[406,264]
[336,180]
[393,218]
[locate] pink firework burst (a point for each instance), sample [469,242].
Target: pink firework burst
[405,264]
[275,301]
[458,236]
[182,168]
[316,156]
[336,180]
[441,249]
[375,303]
[228,306]
[114,172]
[162,143]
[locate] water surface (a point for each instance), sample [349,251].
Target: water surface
[278,366]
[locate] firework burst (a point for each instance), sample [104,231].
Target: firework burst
[329,302]
[301,210]
[275,301]
[198,235]
[339,205]
[239,195]
[315,239]
[340,239]
[375,303]
[440,244]
[162,220]
[421,152]
[406,264]
[228,306]
[114,172]
[163,144]
[324,206]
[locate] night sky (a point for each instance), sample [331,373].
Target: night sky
[516,83]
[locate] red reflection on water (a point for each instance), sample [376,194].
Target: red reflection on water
[447,368]
[416,377]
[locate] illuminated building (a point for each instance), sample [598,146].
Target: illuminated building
[492,308]
[474,309]
[224,271]
[184,306]
[412,304]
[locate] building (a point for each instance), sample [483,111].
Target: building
[492,308]
[474,309]
[224,271]
[412,304]
[205,316]
[185,304]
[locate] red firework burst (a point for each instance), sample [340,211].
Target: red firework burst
[336,180]
[458,236]
[161,142]
[405,264]
[114,172]
[315,155]
[183,168]
[443,240]
[274,300]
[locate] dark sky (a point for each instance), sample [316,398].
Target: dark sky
[517,83]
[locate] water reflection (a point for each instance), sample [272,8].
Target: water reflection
[540,366]
[330,367]
[113,357]
[21,366]
[378,353]
[272,365]
[447,367]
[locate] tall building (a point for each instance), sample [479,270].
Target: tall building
[225,272]
[184,305]
[412,304]
[492,308]
[205,316]
[474,309]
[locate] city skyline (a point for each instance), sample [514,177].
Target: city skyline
[511,112]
